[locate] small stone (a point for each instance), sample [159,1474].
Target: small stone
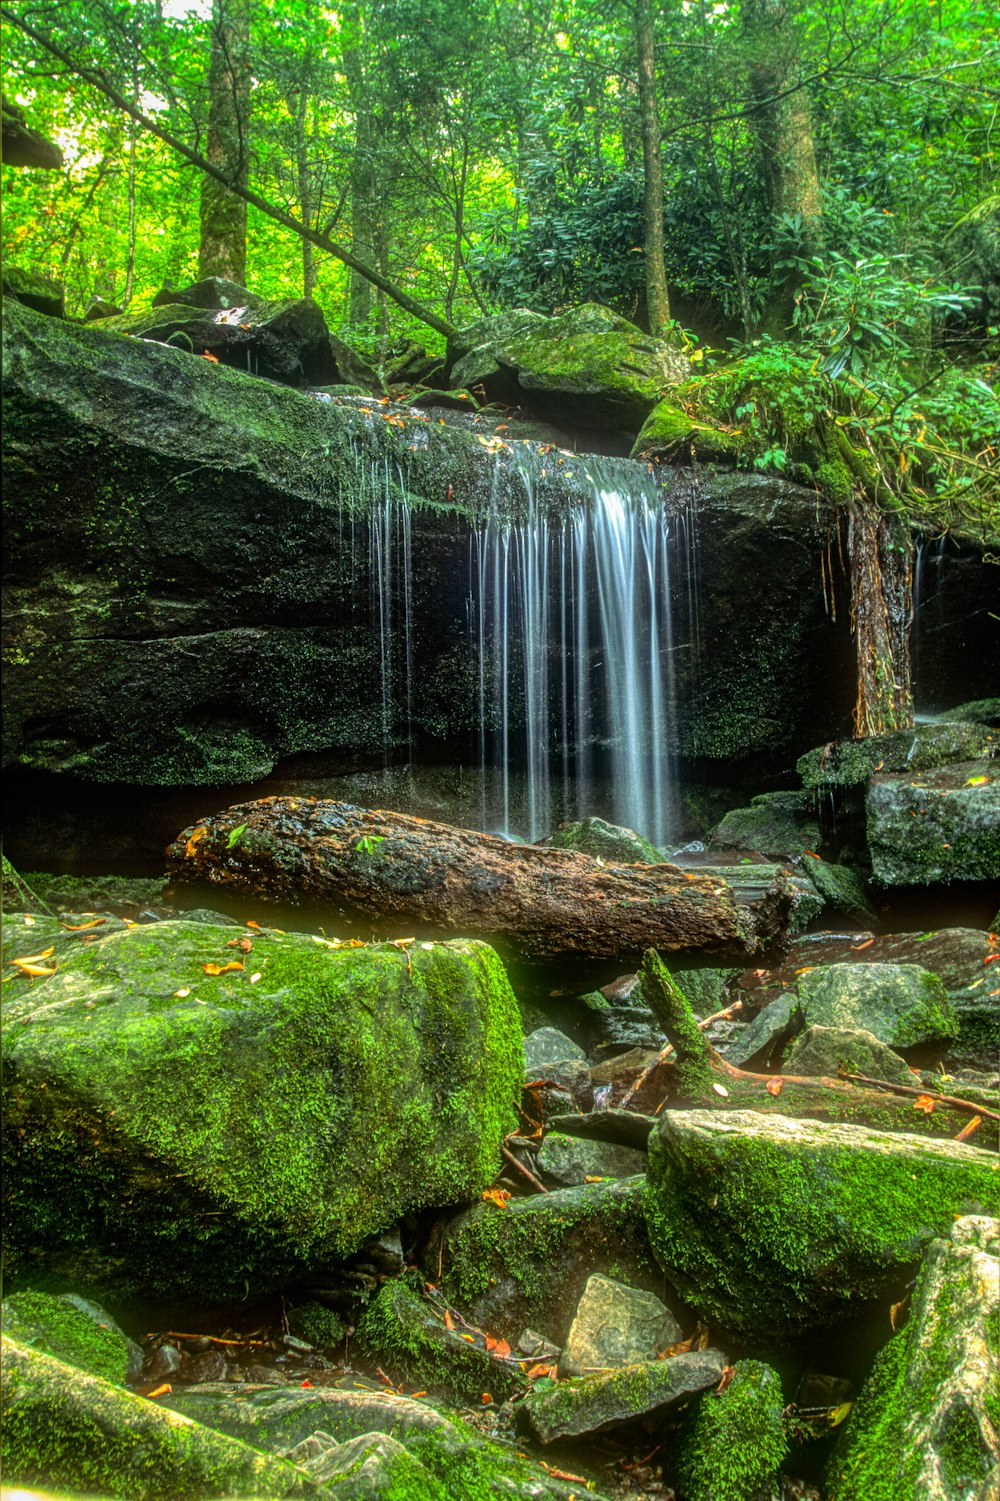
[165,1363]
[259,1375]
[209,1366]
[534,1346]
[570,1160]
[546,1046]
[616,1326]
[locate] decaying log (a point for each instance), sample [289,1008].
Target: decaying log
[704,1080]
[408,875]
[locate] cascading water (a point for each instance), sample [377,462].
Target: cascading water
[574,638]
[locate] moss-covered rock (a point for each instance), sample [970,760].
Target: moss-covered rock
[75,1331]
[671,434]
[63,1427]
[407,1336]
[572,1160]
[927,1422]
[607,842]
[468,1466]
[824,1051]
[317,1325]
[41,293]
[527,1265]
[772,1227]
[851,763]
[588,363]
[175,1131]
[942,826]
[611,1399]
[735,1443]
[775,823]
[841,888]
[985,711]
[901,1004]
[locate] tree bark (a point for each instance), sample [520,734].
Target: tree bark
[881,557]
[408,877]
[224,213]
[657,299]
[781,120]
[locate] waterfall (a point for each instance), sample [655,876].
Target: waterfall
[575,650]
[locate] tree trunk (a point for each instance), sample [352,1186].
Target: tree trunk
[657,299]
[407,876]
[881,558]
[223,213]
[305,189]
[781,120]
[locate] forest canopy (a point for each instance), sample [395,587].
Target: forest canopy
[808,185]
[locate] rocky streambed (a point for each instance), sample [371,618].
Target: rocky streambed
[293,1212]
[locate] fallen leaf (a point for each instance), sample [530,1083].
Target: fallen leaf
[924,1103]
[449,1322]
[486,1399]
[469,1337]
[774,1086]
[307,1383]
[34,971]
[897,1310]
[978,781]
[500,1349]
[245,944]
[563,1474]
[540,1370]
[968,1130]
[234,835]
[35,958]
[497,1196]
[180,994]
[728,1372]
[78,927]
[252,924]
[838,1414]
[159,1391]
[196,835]
[255,977]
[222,969]
[722,1090]
[213,357]
[857,947]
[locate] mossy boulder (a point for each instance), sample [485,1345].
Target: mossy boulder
[174,1131]
[588,365]
[901,1004]
[942,826]
[927,1421]
[571,1160]
[771,1227]
[851,763]
[75,1331]
[735,1442]
[41,293]
[612,1399]
[824,1051]
[775,823]
[605,841]
[63,1427]
[407,1337]
[670,434]
[841,888]
[527,1265]
[467,1465]
[985,711]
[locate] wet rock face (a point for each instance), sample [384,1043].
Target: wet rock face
[748,1213]
[925,1424]
[943,827]
[179,1130]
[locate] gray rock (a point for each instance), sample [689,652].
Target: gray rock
[823,1050]
[571,1160]
[605,841]
[625,1127]
[167,1361]
[528,1264]
[775,823]
[779,1019]
[901,1004]
[924,1427]
[616,1326]
[210,1365]
[748,1213]
[618,1028]
[369,1467]
[593,1404]
[546,1046]
[841,888]
[943,827]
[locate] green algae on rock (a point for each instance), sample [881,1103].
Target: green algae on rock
[174,1130]
[75,1331]
[593,1404]
[771,1227]
[735,1442]
[901,1004]
[63,1427]
[926,1424]
[605,841]
[942,826]
[528,1264]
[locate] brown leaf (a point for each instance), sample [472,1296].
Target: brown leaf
[449,1322]
[897,1310]
[968,1130]
[207,356]
[244,944]
[78,927]
[222,969]
[857,947]
[539,1370]
[196,835]
[500,1349]
[563,1474]
[486,1399]
[497,1196]
[774,1086]
[728,1372]
[924,1103]
[160,1391]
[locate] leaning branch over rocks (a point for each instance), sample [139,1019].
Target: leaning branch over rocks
[704,1079]
[534,904]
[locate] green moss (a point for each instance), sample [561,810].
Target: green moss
[317,1104]
[735,1443]
[754,1254]
[61,1328]
[669,431]
[408,1337]
[317,1325]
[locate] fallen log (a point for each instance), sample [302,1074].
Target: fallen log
[703,1080]
[408,874]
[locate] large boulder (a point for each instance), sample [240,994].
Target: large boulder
[772,1227]
[942,826]
[35,291]
[588,364]
[192,1113]
[64,1427]
[612,1399]
[75,1331]
[852,763]
[925,1426]
[901,1004]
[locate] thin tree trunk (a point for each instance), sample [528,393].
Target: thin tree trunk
[224,213]
[305,190]
[657,300]
[881,558]
[130,253]
[781,120]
